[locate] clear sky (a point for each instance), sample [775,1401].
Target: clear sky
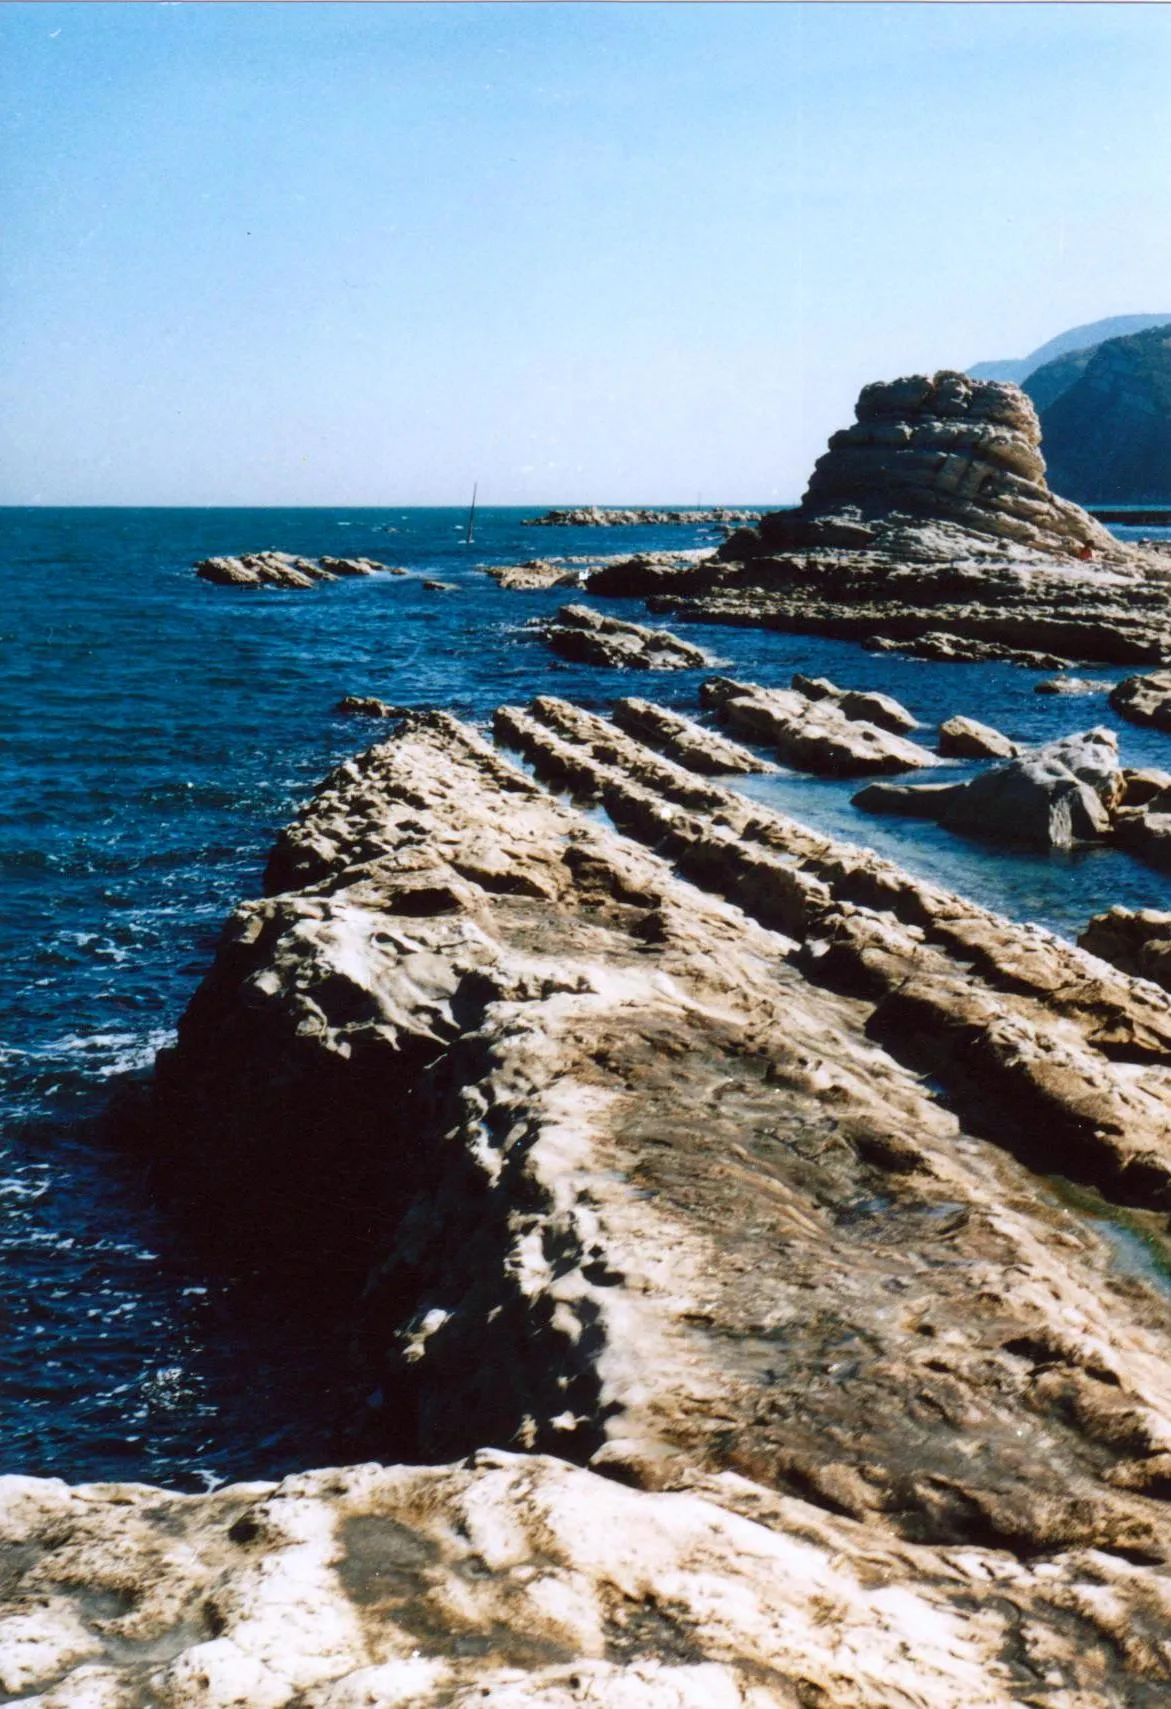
[367,254]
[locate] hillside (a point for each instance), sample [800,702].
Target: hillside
[1106,437]
[1019,368]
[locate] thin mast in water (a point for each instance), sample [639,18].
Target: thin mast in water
[472,513]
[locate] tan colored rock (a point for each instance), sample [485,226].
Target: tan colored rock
[967,739]
[537,573]
[585,636]
[684,740]
[369,706]
[281,570]
[1071,685]
[1145,699]
[928,527]
[525,1583]
[868,705]
[810,735]
[699,1151]
[1137,940]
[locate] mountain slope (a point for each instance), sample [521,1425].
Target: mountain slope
[1107,437]
[1077,338]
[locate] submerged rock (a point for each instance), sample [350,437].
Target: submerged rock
[1072,685]
[811,734]
[1144,699]
[967,739]
[587,637]
[282,570]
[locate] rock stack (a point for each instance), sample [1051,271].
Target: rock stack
[929,527]
[946,448]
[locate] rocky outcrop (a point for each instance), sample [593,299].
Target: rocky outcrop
[596,516]
[967,739]
[929,527]
[283,570]
[944,448]
[586,637]
[369,706]
[1053,798]
[812,734]
[1138,940]
[538,573]
[1145,699]
[1108,432]
[696,1150]
[681,739]
[866,704]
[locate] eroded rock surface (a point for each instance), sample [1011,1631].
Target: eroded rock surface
[682,739]
[525,1583]
[814,735]
[698,1151]
[587,637]
[1138,940]
[283,570]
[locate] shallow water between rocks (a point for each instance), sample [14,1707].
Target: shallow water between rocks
[156,732]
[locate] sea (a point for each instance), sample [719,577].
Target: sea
[155,731]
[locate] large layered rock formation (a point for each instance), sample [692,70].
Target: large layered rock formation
[929,525]
[687,1146]
[947,449]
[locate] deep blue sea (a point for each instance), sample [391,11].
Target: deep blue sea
[154,733]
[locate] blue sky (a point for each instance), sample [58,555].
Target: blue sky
[367,254]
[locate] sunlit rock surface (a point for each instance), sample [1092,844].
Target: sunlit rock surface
[693,1148]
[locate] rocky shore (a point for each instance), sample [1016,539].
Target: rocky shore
[928,526]
[598,516]
[700,1169]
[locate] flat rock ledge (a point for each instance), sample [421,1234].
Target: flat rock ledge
[928,527]
[684,1146]
[284,570]
[813,731]
[586,637]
